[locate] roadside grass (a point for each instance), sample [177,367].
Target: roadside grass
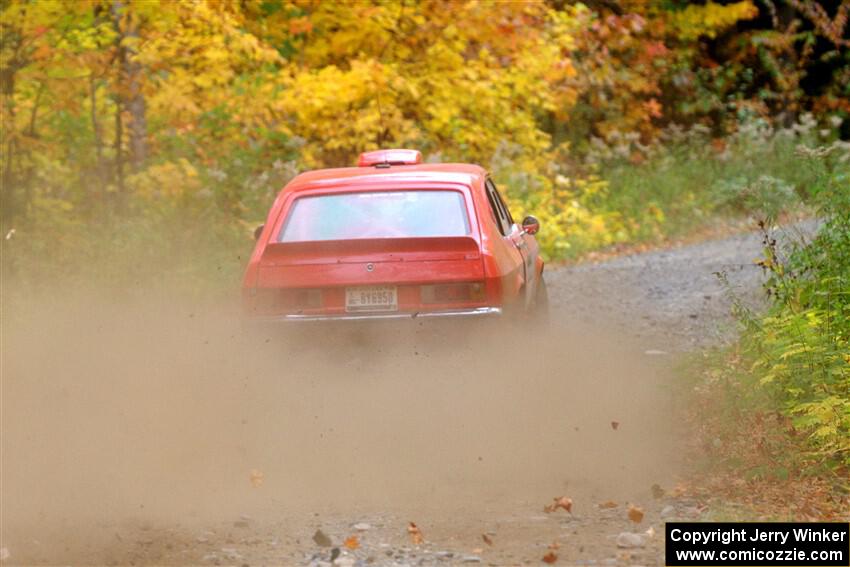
[746,459]
[691,183]
[748,462]
[771,413]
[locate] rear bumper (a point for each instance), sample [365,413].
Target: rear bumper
[445,314]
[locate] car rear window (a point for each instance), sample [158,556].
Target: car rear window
[377,214]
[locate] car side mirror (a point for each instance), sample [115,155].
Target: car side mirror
[530,225]
[258,231]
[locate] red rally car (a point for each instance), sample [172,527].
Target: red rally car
[393,238]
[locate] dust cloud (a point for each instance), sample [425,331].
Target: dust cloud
[155,411]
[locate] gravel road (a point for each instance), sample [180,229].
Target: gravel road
[672,298]
[139,432]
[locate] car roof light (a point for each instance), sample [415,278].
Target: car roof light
[386,158]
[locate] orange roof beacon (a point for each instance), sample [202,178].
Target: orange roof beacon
[393,238]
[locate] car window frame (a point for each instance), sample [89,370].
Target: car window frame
[503,218]
[507,211]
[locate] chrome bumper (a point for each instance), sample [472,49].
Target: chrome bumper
[476,312]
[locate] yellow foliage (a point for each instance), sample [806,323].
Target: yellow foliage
[196,53]
[569,224]
[166,183]
[408,75]
[710,18]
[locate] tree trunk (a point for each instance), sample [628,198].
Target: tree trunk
[99,173]
[9,176]
[119,154]
[8,179]
[130,83]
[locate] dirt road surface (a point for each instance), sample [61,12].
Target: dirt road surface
[138,429]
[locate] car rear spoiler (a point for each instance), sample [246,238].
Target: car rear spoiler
[372,249]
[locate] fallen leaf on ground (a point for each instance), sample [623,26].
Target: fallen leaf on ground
[559,502]
[415,534]
[608,504]
[635,514]
[615,425]
[554,545]
[257,478]
[657,491]
[352,542]
[321,539]
[550,557]
[487,539]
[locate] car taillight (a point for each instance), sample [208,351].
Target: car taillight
[447,293]
[301,298]
[276,299]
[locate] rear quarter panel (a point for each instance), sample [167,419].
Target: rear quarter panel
[503,264]
[252,270]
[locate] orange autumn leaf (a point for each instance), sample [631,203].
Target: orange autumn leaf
[550,557]
[300,25]
[415,534]
[559,502]
[608,504]
[653,108]
[256,477]
[635,514]
[352,542]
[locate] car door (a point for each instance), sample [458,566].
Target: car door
[523,251]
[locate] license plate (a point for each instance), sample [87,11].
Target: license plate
[371,298]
